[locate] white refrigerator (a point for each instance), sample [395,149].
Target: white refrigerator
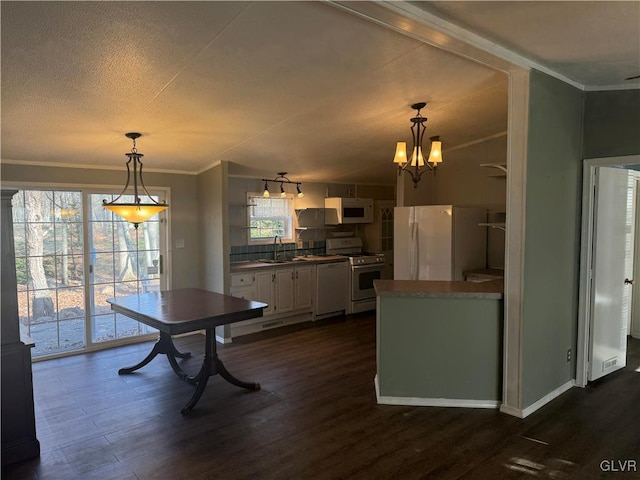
[438,242]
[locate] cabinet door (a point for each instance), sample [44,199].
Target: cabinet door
[284,289]
[264,281]
[248,293]
[242,279]
[303,287]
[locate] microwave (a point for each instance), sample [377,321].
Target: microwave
[350,210]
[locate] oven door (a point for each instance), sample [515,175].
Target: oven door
[362,277]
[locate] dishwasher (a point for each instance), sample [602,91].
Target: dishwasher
[332,288]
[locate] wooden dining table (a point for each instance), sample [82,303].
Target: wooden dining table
[175,312]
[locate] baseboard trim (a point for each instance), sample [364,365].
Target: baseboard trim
[432,402]
[509,410]
[525,412]
[20,450]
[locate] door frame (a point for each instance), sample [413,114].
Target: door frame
[165,278]
[586,257]
[85,189]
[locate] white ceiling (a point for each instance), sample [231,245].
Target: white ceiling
[301,87]
[596,44]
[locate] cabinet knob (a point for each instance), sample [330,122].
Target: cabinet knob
[628,282]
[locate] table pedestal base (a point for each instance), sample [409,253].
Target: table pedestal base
[211,365]
[163,345]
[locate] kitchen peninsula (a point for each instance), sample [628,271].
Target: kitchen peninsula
[439,343]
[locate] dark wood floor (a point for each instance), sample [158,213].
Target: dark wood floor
[315,418]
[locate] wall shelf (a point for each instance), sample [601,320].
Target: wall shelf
[500,166]
[328,227]
[498,225]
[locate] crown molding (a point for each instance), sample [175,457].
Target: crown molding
[88,167]
[603,88]
[412,21]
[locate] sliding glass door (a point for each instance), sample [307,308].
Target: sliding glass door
[71,255]
[49,250]
[123,260]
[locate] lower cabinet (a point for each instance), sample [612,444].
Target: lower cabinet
[287,290]
[284,290]
[303,297]
[264,286]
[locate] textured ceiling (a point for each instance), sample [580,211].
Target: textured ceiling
[596,44]
[301,87]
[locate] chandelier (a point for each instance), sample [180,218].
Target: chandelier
[281,179]
[417,162]
[135,212]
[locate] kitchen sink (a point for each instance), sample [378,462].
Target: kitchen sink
[264,260]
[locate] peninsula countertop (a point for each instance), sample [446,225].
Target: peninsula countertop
[493,289]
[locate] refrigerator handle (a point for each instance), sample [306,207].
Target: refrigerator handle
[413,251]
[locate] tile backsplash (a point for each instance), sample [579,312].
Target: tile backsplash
[244,253]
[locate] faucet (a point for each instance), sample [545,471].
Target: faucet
[275,247]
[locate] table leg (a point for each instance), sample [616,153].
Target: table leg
[224,373]
[164,345]
[212,365]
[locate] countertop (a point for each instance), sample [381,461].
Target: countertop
[485,274]
[492,289]
[306,260]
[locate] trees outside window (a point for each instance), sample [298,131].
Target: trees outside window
[270,217]
[56,272]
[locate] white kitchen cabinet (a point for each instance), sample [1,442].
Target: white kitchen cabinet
[239,280]
[254,285]
[242,285]
[264,289]
[248,292]
[302,287]
[284,290]
[287,290]
[378,236]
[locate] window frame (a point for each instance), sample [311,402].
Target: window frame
[289,237]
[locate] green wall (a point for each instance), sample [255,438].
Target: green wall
[213,220]
[612,123]
[552,236]
[214,227]
[440,348]
[183,205]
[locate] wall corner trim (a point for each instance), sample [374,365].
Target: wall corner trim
[525,412]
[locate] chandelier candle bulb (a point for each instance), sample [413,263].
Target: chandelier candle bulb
[435,156]
[401,153]
[417,158]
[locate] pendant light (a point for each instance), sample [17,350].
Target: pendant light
[135,212]
[417,162]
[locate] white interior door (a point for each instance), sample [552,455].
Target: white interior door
[610,294]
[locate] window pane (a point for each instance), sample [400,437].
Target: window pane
[270,217]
